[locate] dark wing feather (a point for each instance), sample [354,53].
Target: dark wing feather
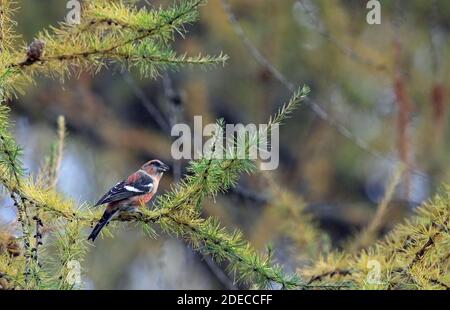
[124,189]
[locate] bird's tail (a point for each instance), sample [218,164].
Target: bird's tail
[103,221]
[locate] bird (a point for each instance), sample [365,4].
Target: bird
[131,193]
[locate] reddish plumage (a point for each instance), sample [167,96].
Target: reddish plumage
[135,191]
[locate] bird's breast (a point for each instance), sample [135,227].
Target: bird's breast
[142,199]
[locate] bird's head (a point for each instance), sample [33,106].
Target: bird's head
[155,167]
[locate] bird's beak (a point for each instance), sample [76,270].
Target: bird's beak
[164,168]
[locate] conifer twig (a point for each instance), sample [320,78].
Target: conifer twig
[142,42]
[331,274]
[10,162]
[410,257]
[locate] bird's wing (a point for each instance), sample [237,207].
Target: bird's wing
[138,183]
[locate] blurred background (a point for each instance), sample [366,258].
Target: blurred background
[380,96]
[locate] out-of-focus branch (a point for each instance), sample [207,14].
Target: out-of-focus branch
[368,235]
[316,108]
[344,49]
[175,113]
[147,104]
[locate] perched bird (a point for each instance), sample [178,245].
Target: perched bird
[133,192]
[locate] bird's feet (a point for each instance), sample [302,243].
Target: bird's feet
[130,213]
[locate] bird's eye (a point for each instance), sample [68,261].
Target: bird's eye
[156,164]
